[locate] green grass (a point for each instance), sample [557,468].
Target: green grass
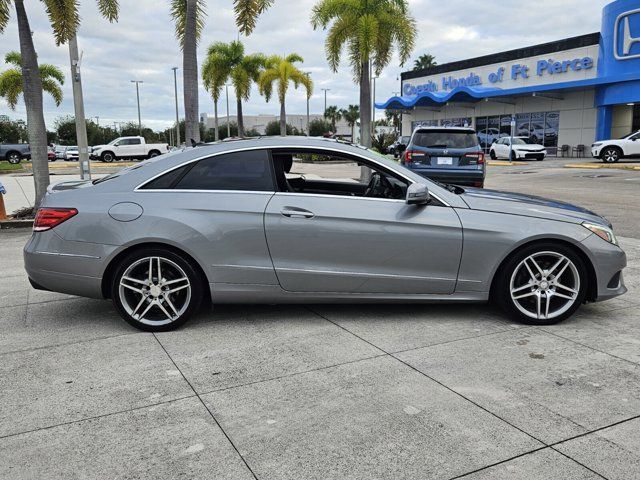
[8,167]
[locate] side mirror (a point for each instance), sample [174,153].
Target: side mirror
[418,194]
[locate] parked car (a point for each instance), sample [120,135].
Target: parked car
[15,152]
[488,136]
[59,151]
[128,148]
[398,147]
[71,154]
[240,222]
[524,148]
[446,154]
[51,154]
[611,151]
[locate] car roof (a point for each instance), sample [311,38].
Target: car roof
[445,127]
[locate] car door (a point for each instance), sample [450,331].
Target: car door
[355,244]
[632,145]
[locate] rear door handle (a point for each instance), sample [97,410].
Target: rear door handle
[293,212]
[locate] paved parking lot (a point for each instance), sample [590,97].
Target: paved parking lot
[317,392]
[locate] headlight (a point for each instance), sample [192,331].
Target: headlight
[597,144]
[603,232]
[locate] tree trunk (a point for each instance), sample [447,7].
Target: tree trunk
[240,120]
[32,90]
[365,116]
[190,75]
[215,120]
[353,140]
[283,119]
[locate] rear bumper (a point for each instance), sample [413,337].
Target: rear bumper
[471,178]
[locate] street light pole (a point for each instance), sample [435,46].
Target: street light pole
[138,82]
[325,99]
[175,88]
[78,104]
[308,131]
[228,126]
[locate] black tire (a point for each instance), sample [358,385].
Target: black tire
[14,158]
[611,154]
[513,156]
[492,154]
[501,292]
[153,153]
[107,157]
[191,302]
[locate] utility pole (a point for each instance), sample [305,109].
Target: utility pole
[325,99]
[308,131]
[228,126]
[138,82]
[373,107]
[175,88]
[78,104]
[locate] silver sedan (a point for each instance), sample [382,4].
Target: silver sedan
[282,220]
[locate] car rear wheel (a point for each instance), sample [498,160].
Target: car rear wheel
[542,284]
[156,290]
[611,155]
[14,158]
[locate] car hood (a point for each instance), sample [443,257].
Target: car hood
[528,148]
[529,206]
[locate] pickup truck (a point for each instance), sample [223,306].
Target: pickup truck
[128,148]
[14,152]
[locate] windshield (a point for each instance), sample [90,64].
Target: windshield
[522,141]
[445,138]
[113,141]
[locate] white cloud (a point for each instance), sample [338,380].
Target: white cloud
[142,46]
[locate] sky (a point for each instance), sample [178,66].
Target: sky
[142,46]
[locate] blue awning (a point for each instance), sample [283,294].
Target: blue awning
[465,94]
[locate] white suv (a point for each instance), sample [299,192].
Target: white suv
[610,151]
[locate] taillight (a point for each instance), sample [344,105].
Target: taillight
[412,155]
[47,218]
[477,157]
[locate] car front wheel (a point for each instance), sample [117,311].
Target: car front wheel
[156,290]
[611,155]
[542,284]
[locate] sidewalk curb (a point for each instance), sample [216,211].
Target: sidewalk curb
[500,163]
[13,224]
[596,166]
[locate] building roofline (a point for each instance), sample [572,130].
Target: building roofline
[525,52]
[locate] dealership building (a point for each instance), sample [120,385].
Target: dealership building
[569,92]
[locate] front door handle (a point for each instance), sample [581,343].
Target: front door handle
[293,212]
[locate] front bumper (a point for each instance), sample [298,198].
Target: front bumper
[608,262]
[595,151]
[528,155]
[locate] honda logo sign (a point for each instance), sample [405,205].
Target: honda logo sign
[626,34]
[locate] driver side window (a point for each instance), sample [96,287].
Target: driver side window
[329,173]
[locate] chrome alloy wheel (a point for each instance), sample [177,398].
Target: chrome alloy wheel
[545,285]
[611,155]
[155,291]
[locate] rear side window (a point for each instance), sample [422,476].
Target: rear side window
[168,180]
[445,138]
[249,170]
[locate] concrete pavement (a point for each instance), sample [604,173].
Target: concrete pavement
[316,392]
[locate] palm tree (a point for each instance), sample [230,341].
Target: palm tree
[11,85]
[189,20]
[333,114]
[351,115]
[369,29]
[281,71]
[227,61]
[424,61]
[65,20]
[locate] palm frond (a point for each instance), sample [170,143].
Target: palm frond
[11,86]
[338,35]
[293,58]
[48,71]
[5,11]
[178,11]
[64,18]
[50,86]
[109,9]
[13,58]
[327,10]
[247,13]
